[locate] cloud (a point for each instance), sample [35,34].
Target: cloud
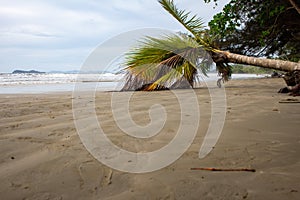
[47,34]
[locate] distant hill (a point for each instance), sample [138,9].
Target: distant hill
[27,72]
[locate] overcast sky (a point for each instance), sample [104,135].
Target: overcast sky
[60,34]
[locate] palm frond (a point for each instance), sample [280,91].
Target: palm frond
[165,62]
[193,24]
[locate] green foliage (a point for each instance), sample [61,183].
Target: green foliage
[168,62]
[246,69]
[193,24]
[226,22]
[258,28]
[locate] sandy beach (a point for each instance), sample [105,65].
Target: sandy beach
[42,156]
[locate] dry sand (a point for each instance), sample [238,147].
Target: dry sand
[42,156]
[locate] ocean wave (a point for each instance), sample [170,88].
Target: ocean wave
[34,79]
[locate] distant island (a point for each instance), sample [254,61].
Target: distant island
[27,72]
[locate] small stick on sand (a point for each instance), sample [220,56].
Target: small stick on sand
[218,169]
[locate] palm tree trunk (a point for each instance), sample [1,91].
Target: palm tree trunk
[281,65]
[293,68]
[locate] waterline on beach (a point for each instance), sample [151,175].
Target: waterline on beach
[48,83]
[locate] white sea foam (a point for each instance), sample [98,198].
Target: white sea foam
[48,78]
[48,82]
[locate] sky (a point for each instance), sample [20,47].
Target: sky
[49,35]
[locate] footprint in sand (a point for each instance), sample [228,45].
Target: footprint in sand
[93,176]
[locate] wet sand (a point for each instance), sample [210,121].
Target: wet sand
[42,156]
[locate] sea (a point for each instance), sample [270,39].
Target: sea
[34,83]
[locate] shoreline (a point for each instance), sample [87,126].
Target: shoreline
[87,83]
[42,156]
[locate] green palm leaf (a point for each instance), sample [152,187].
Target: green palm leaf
[193,24]
[171,61]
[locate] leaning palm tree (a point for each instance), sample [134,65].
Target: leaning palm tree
[174,61]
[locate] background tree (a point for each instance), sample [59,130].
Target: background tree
[259,28]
